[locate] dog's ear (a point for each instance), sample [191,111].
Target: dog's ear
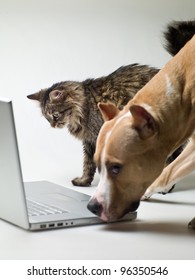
[108,111]
[143,122]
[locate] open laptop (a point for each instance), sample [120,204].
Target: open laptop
[37,205]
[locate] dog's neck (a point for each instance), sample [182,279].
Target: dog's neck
[170,98]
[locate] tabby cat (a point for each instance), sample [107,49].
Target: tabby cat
[74,104]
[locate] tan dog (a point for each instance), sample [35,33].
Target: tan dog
[134,143]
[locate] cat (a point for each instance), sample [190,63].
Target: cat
[74,104]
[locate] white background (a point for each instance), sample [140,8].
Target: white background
[43,42]
[47,41]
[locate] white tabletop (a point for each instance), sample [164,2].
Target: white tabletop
[160,232]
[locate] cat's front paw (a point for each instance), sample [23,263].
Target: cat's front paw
[82,181]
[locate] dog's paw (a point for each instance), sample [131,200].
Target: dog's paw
[167,190]
[192,224]
[155,188]
[82,181]
[145,197]
[147,194]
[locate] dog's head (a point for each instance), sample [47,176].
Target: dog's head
[127,159]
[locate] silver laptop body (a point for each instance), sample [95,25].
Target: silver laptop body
[36,205]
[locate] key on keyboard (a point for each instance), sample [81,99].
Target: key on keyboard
[37,208]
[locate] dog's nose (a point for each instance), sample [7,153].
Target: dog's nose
[95,207]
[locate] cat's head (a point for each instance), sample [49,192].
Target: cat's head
[61,103]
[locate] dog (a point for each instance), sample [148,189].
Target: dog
[133,144]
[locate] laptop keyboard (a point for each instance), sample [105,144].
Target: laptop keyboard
[37,209]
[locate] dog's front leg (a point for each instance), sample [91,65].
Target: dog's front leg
[174,172]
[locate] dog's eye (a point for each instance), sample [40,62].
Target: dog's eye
[115,169]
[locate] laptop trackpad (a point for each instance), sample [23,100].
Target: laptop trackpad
[62,197]
[51,192]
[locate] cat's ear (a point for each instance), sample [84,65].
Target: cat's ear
[55,95]
[143,121]
[108,111]
[34,96]
[37,96]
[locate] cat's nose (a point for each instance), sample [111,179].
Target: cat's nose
[55,118]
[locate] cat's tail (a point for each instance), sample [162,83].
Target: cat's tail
[178,33]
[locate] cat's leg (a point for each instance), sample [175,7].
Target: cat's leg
[88,166]
[178,169]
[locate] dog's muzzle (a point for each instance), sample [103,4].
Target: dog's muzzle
[97,208]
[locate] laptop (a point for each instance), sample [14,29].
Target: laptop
[39,205]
